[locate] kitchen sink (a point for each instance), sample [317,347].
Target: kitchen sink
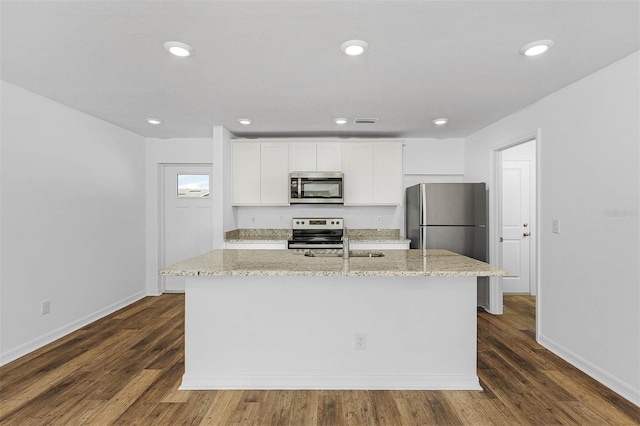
[354,253]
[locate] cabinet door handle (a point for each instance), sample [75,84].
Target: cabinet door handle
[526,234]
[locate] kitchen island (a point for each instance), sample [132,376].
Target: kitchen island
[277,319]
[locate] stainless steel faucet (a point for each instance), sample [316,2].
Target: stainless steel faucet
[345,244]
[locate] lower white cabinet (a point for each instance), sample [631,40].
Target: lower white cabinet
[255,246]
[367,245]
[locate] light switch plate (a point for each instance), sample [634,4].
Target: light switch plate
[555,226]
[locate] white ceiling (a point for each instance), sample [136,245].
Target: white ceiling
[279,62]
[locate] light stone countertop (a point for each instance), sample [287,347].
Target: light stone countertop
[247,235]
[293,263]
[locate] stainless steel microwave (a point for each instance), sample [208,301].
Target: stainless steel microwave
[316,187]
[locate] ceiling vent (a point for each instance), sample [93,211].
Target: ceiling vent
[365,121]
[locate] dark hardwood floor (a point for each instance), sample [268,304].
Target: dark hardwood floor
[125,370]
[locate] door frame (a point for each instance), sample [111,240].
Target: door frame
[161,210]
[495,222]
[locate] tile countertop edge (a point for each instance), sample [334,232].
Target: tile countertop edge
[395,263]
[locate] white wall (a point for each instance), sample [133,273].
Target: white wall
[424,160]
[589,300]
[72,220]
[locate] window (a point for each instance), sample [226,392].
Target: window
[194,186]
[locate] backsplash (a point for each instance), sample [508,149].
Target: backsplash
[354,217]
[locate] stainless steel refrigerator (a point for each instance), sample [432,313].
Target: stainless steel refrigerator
[451,216]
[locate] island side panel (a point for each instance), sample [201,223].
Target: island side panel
[287,332]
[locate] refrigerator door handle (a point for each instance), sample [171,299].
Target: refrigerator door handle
[423,240]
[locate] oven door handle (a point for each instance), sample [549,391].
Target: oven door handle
[316,246]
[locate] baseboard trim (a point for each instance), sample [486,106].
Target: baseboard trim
[39,342]
[613,383]
[317,382]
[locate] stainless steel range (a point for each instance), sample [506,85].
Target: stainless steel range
[316,233]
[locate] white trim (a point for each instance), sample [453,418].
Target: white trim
[610,381]
[495,201]
[351,382]
[56,334]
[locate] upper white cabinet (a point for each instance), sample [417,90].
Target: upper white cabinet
[245,173]
[274,175]
[387,173]
[329,157]
[372,173]
[259,174]
[358,173]
[372,170]
[315,157]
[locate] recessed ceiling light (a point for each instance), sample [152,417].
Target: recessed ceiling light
[536,48]
[354,47]
[440,121]
[179,49]
[153,121]
[244,121]
[341,120]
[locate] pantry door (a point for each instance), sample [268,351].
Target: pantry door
[516,225]
[187,217]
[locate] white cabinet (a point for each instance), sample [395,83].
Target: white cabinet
[312,157]
[387,173]
[358,173]
[367,245]
[255,246]
[245,173]
[372,170]
[329,157]
[372,173]
[259,174]
[274,176]
[302,157]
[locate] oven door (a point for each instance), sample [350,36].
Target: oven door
[316,239]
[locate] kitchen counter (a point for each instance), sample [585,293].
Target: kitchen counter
[276,319]
[294,263]
[246,235]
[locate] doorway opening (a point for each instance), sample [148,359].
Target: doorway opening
[513,241]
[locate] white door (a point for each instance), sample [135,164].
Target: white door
[188,217]
[516,225]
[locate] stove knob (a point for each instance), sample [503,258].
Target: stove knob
[332,223]
[297,222]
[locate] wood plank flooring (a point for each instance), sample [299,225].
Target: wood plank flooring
[125,370]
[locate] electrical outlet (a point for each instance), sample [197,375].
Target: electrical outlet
[379,219]
[555,226]
[46,307]
[361,341]
[253,219]
[281,218]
